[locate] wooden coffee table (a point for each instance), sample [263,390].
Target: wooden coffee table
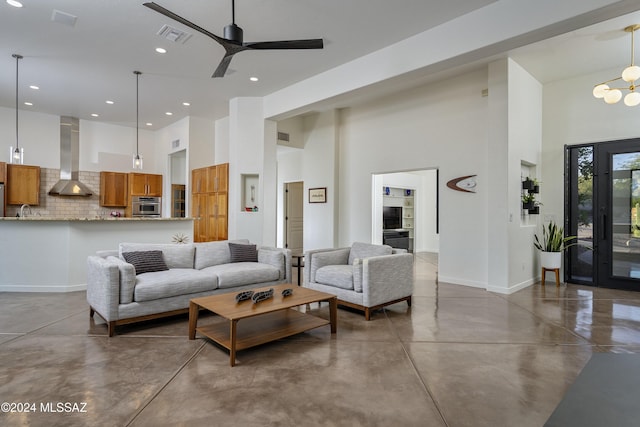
[263,322]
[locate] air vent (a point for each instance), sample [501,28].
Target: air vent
[282,136]
[175,144]
[64,18]
[173,34]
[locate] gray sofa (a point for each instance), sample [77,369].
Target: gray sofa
[120,296]
[365,276]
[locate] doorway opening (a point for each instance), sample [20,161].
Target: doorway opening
[177,184]
[602,201]
[405,210]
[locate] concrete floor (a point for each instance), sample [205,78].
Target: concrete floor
[458,357]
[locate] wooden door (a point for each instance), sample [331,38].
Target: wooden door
[154,185]
[294,220]
[197,181]
[199,214]
[23,185]
[221,232]
[137,184]
[222,178]
[113,189]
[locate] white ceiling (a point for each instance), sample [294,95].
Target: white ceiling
[78,68]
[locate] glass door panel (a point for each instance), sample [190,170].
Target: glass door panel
[619,195]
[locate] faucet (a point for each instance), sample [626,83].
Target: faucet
[27,208]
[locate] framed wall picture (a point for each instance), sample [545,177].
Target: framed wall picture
[318,195]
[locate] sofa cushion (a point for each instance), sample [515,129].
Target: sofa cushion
[175,255]
[242,273]
[173,282]
[243,253]
[339,276]
[365,250]
[145,261]
[209,254]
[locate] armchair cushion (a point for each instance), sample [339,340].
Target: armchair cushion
[361,250]
[340,276]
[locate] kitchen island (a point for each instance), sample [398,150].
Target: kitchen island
[43,254]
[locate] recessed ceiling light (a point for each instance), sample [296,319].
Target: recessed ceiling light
[34,87]
[254,79]
[94,115]
[161,50]
[186,104]
[28,103]
[14,3]
[169,113]
[109,102]
[149,124]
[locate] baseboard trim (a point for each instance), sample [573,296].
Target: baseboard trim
[53,288]
[458,281]
[512,289]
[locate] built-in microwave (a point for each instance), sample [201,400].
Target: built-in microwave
[146,206]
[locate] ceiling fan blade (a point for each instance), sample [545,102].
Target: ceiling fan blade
[222,67]
[180,19]
[287,44]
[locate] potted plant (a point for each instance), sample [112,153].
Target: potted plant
[552,244]
[528,201]
[527,184]
[536,186]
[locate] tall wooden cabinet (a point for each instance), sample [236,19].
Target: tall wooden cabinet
[23,185]
[209,202]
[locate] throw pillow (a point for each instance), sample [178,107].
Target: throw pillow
[146,261]
[243,253]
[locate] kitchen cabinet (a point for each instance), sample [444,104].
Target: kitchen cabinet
[177,200]
[23,185]
[209,202]
[113,189]
[3,172]
[145,184]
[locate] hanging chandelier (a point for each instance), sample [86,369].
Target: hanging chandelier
[16,155]
[611,95]
[137,158]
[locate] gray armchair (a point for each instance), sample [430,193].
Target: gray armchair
[365,276]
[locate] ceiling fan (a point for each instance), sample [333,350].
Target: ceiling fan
[233,40]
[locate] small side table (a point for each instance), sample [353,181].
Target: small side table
[555,270]
[297,261]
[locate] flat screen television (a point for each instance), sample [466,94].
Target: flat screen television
[391,217]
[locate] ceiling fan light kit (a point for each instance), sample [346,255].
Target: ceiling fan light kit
[612,95]
[233,40]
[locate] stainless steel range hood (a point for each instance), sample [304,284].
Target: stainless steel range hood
[69,185]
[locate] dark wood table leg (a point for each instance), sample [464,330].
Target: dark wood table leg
[194,310]
[333,314]
[232,337]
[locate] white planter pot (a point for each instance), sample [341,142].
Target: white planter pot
[550,260]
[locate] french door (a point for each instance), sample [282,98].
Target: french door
[603,206]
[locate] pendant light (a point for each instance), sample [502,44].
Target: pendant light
[137,158]
[16,155]
[612,95]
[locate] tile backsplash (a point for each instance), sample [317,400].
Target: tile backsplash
[67,206]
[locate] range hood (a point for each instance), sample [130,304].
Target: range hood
[69,185]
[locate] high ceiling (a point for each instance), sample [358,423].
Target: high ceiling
[79,67]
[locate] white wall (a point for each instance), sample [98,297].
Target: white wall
[102,146]
[525,145]
[440,126]
[320,167]
[221,154]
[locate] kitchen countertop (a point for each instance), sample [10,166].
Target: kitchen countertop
[46,218]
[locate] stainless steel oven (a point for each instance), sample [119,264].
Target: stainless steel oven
[146,206]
